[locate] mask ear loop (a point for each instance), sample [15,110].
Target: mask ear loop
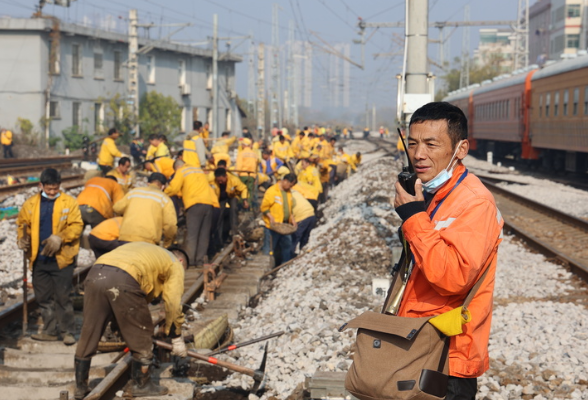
[452,158]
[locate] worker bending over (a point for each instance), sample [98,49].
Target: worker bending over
[97,199]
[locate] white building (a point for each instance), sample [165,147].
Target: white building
[71,72]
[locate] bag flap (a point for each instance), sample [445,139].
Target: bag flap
[399,326]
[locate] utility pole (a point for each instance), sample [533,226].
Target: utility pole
[308,75]
[276,106]
[522,36]
[464,76]
[291,110]
[261,91]
[133,87]
[251,93]
[215,133]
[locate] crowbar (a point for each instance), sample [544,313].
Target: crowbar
[246,343]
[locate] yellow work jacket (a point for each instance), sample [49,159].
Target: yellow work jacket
[67,224]
[311,176]
[6,138]
[147,214]
[221,156]
[302,209]
[108,229]
[223,145]
[283,150]
[157,271]
[273,203]
[356,160]
[100,194]
[164,165]
[324,168]
[309,192]
[162,151]
[151,150]
[235,188]
[190,156]
[247,161]
[108,151]
[126,182]
[193,184]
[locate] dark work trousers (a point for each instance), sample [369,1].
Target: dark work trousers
[249,181]
[461,388]
[302,233]
[111,293]
[314,204]
[8,151]
[52,287]
[233,211]
[281,244]
[101,247]
[324,196]
[198,225]
[90,216]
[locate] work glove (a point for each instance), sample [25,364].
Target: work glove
[52,245]
[179,347]
[24,243]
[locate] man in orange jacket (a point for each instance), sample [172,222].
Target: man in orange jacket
[97,199]
[453,230]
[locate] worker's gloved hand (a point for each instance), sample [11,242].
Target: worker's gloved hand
[52,245]
[179,347]
[24,243]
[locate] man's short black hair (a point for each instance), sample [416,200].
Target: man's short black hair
[111,131]
[221,162]
[180,153]
[111,177]
[226,133]
[153,136]
[161,136]
[50,176]
[305,128]
[156,176]
[174,249]
[123,160]
[290,177]
[220,172]
[281,137]
[457,123]
[197,125]
[267,151]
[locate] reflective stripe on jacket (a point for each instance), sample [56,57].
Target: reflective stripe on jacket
[450,252]
[67,224]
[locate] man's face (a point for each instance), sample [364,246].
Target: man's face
[154,142]
[304,164]
[115,135]
[221,180]
[265,156]
[51,190]
[286,184]
[430,148]
[124,168]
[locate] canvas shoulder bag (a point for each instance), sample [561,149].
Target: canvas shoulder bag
[402,358]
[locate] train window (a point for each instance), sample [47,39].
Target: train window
[576,99]
[547,103]
[507,109]
[555,103]
[540,105]
[586,100]
[566,99]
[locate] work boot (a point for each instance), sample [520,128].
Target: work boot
[82,373]
[44,337]
[141,384]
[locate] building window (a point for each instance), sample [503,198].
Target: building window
[576,99]
[117,66]
[151,69]
[76,114]
[573,10]
[507,109]
[182,72]
[98,117]
[540,105]
[54,110]
[572,41]
[566,100]
[98,65]
[76,59]
[547,103]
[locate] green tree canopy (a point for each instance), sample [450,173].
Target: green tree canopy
[159,114]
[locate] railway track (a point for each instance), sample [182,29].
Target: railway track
[67,182]
[16,166]
[44,370]
[549,231]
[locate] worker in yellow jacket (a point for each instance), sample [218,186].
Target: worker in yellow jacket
[6,141]
[104,237]
[247,165]
[97,199]
[276,207]
[157,147]
[121,284]
[194,149]
[123,174]
[310,175]
[108,151]
[148,213]
[163,165]
[199,200]
[49,226]
[228,189]
[304,215]
[223,144]
[282,149]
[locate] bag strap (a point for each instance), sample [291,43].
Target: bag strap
[477,285]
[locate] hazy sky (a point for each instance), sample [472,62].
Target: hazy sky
[334,20]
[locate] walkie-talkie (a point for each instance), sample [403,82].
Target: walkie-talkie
[407,177]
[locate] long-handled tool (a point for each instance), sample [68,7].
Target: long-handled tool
[258,375]
[25,312]
[246,343]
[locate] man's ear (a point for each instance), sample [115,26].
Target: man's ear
[463,149]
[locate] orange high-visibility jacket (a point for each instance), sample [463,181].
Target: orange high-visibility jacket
[450,252]
[100,194]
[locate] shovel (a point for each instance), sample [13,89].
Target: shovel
[258,375]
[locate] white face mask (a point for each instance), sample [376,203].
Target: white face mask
[45,195]
[443,176]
